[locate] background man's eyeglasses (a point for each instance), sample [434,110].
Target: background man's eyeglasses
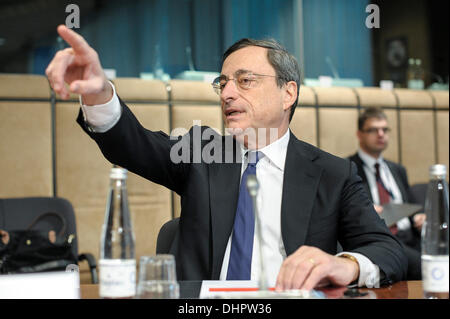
[374,130]
[244,81]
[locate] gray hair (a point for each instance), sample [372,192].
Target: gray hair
[285,65]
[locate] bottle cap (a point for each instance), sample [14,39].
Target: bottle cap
[438,170]
[118,173]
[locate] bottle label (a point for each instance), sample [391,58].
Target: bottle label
[435,273]
[117,278]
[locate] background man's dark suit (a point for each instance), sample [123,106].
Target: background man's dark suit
[323,200]
[410,237]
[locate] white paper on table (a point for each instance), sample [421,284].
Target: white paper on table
[237,287]
[249,289]
[45,285]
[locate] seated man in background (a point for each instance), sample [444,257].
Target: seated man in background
[307,198]
[386,182]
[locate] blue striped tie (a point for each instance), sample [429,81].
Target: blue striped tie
[240,264]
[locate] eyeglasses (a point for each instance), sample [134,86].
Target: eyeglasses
[374,130]
[243,80]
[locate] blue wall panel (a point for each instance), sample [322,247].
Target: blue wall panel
[337,29]
[126,33]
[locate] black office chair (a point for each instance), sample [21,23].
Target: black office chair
[166,236]
[19,213]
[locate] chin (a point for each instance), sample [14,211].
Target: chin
[382,148]
[236,126]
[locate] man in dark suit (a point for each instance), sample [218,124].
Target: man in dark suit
[307,199]
[386,181]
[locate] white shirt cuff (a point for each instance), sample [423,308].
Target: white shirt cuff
[404,224]
[100,118]
[369,273]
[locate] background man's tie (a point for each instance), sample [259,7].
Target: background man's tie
[383,194]
[240,264]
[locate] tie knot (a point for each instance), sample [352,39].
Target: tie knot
[253,157]
[377,167]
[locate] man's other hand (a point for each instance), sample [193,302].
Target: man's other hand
[419,219]
[378,209]
[310,267]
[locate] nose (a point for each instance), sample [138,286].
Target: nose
[229,92]
[381,132]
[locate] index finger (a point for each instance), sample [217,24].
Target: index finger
[76,41]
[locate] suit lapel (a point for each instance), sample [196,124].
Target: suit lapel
[224,180]
[398,179]
[301,179]
[360,166]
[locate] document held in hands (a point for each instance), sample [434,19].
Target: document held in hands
[392,213]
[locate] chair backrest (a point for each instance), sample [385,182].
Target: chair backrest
[25,136]
[166,236]
[19,213]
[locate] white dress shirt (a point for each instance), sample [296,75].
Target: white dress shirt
[270,172]
[388,181]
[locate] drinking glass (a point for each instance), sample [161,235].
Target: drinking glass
[157,278]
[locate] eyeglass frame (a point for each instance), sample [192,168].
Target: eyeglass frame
[217,86]
[374,130]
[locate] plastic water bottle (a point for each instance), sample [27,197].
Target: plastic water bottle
[117,254]
[435,271]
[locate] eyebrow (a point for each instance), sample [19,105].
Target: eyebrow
[238,72]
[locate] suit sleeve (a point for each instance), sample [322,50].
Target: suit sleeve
[361,230]
[405,182]
[141,151]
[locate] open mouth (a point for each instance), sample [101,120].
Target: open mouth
[232,112]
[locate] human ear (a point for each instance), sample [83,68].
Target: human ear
[290,89]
